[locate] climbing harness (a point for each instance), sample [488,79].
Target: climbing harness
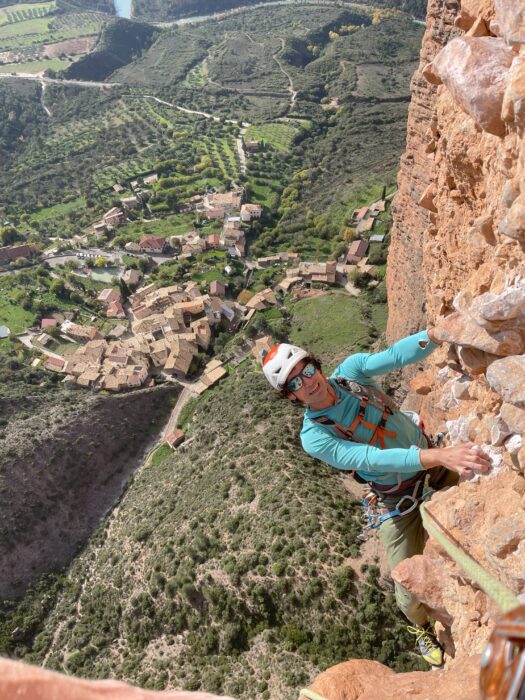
[368,396]
[374,397]
[375,514]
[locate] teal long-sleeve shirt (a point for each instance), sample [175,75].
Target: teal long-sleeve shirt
[401,454]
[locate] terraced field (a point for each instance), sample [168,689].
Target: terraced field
[22,12]
[279,135]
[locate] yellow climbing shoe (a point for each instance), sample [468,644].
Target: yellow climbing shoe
[428,645]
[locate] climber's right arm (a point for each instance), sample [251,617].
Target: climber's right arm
[463,459]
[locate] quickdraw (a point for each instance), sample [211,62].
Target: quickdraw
[375,515]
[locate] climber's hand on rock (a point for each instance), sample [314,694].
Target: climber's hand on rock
[466,459]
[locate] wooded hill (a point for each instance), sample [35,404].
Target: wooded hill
[226,567]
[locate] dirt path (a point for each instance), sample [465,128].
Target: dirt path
[291,89]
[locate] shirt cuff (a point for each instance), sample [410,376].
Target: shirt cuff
[413,457]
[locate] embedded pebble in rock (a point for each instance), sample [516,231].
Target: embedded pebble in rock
[505,547]
[474,362]
[462,329]
[427,199]
[507,378]
[474,70]
[510,15]
[462,300]
[460,388]
[514,417]
[514,444]
[499,432]
[513,108]
[511,190]
[513,225]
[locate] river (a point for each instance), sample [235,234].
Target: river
[123,8]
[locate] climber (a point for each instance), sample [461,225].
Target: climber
[351,425]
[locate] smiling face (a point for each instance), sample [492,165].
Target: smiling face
[315,391]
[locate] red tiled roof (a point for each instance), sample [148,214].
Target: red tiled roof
[153,242]
[48,323]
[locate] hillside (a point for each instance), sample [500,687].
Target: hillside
[223,568]
[120,42]
[65,461]
[172,9]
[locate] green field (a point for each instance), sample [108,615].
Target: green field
[13,315]
[36,66]
[328,326]
[58,210]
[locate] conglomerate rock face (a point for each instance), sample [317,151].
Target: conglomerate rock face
[461,210]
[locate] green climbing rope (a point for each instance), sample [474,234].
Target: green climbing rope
[310,694]
[504,598]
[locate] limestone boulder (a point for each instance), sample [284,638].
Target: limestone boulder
[462,329]
[23,682]
[370,680]
[507,378]
[475,69]
[500,431]
[513,224]
[511,20]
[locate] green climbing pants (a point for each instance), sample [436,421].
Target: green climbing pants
[404,537]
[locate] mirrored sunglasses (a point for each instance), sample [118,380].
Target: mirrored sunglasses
[297,382]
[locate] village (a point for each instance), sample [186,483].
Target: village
[165,333]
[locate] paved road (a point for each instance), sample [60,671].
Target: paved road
[60,81]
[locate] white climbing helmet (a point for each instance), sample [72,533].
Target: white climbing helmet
[280,361]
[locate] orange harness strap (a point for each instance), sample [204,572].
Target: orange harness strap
[379,431]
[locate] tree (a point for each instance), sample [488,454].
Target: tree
[9,235]
[59,289]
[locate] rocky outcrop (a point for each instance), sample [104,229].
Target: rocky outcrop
[370,680]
